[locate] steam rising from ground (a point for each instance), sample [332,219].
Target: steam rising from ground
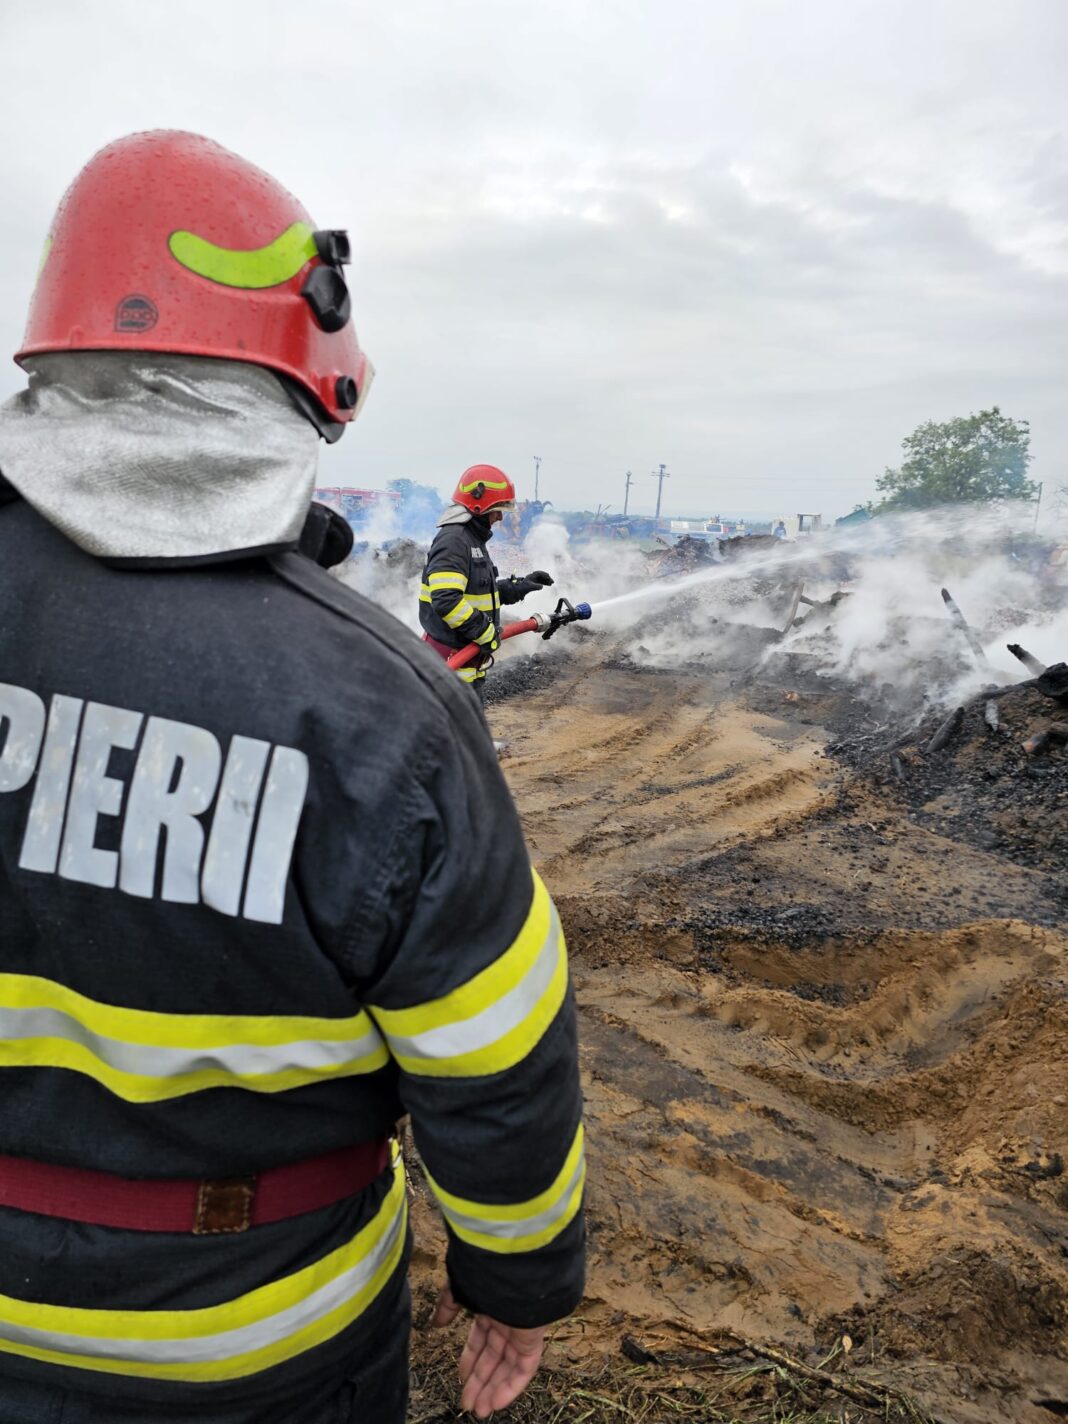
[887,631]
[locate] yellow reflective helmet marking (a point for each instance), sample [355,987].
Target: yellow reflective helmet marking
[268,266]
[486,484]
[44,254]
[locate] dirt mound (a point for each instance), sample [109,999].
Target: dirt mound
[963,1305]
[824,1026]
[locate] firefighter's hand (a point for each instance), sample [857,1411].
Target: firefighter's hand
[541,577]
[498,1361]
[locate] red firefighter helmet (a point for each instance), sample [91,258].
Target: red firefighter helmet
[484,487]
[167,242]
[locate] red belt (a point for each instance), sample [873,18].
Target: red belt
[185,1204]
[442,649]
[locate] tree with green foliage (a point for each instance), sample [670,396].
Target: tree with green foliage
[973,459]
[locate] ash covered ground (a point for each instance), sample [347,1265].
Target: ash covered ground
[822,971]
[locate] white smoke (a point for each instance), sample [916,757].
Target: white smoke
[383,569]
[382,565]
[888,631]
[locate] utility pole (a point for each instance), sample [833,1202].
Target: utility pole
[1038,506]
[661,476]
[626,494]
[537,472]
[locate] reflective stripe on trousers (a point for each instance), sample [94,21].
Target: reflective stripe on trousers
[370,1384]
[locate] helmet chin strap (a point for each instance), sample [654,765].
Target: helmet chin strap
[330,430]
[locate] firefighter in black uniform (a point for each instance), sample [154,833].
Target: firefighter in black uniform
[239,807]
[461,594]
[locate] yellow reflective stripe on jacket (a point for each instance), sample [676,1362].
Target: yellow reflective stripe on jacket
[238,1338]
[458,614]
[487,635]
[144,1056]
[494,1020]
[469,674]
[520,1226]
[485,602]
[446,580]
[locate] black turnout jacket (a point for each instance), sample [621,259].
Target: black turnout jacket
[461,594]
[239,811]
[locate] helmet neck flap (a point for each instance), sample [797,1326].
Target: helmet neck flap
[157,459]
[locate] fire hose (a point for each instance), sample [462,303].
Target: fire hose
[544,623]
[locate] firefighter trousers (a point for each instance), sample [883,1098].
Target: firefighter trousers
[375,1391]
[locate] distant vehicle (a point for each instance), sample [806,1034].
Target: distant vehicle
[355,504]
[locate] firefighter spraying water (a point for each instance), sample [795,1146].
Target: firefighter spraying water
[461,594]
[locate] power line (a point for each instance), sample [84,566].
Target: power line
[662,476]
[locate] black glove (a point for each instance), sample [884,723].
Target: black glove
[539,576]
[522,587]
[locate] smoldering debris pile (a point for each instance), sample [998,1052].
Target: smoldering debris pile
[992,771]
[867,620]
[683,557]
[520,677]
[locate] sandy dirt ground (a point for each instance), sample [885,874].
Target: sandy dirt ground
[824,1039]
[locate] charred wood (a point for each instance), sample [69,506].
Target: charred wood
[1053,682]
[1030,662]
[1056,734]
[947,731]
[963,627]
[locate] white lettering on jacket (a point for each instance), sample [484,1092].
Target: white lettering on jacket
[227,831]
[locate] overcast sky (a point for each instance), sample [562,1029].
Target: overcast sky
[757,240]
